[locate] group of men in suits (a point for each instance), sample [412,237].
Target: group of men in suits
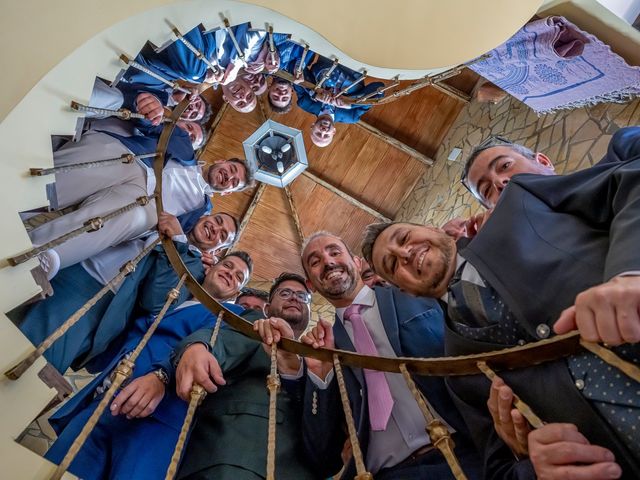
[247,67]
[555,254]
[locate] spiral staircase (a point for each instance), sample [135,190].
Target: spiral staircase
[84,39]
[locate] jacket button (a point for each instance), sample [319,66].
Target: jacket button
[580,384]
[543,330]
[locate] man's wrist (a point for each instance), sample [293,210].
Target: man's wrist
[161,375]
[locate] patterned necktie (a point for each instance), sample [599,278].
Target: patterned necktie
[378,392]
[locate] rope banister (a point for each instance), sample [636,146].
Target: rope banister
[121,113]
[126,158]
[439,434]
[213,65]
[151,73]
[361,471]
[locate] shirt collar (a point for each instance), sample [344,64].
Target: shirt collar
[327,110]
[366,296]
[459,262]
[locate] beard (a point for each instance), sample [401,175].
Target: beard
[297,320]
[339,289]
[446,253]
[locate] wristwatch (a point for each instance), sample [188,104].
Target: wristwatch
[162,376]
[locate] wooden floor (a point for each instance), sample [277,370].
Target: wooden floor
[359,164]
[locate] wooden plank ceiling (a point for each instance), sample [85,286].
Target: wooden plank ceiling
[357,163]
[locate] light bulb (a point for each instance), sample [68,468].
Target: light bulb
[280,167]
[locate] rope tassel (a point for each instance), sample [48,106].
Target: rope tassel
[437,430]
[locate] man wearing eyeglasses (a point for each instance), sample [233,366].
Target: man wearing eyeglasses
[229,439]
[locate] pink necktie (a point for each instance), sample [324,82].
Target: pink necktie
[378,392]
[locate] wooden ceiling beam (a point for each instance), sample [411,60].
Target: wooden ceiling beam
[294,214]
[247,215]
[263,110]
[421,157]
[346,196]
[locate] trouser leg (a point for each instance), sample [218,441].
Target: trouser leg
[74,186]
[119,229]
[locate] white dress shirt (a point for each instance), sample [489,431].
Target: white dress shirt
[405,432]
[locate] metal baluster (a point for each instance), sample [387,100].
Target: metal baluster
[349,87]
[301,65]
[379,90]
[17,371]
[90,225]
[153,74]
[437,430]
[272,47]
[213,65]
[122,113]
[628,368]
[122,372]
[196,396]
[227,27]
[521,406]
[126,158]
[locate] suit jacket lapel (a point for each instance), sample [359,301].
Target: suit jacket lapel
[343,342]
[387,309]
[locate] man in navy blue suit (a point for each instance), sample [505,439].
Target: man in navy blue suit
[281,91]
[384,322]
[137,436]
[325,104]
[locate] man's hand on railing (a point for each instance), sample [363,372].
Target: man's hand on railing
[197,365]
[607,313]
[511,426]
[319,336]
[208,260]
[140,398]
[272,63]
[558,451]
[271,330]
[169,225]
[149,106]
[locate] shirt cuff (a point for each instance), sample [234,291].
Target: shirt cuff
[321,384]
[294,376]
[630,273]
[182,238]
